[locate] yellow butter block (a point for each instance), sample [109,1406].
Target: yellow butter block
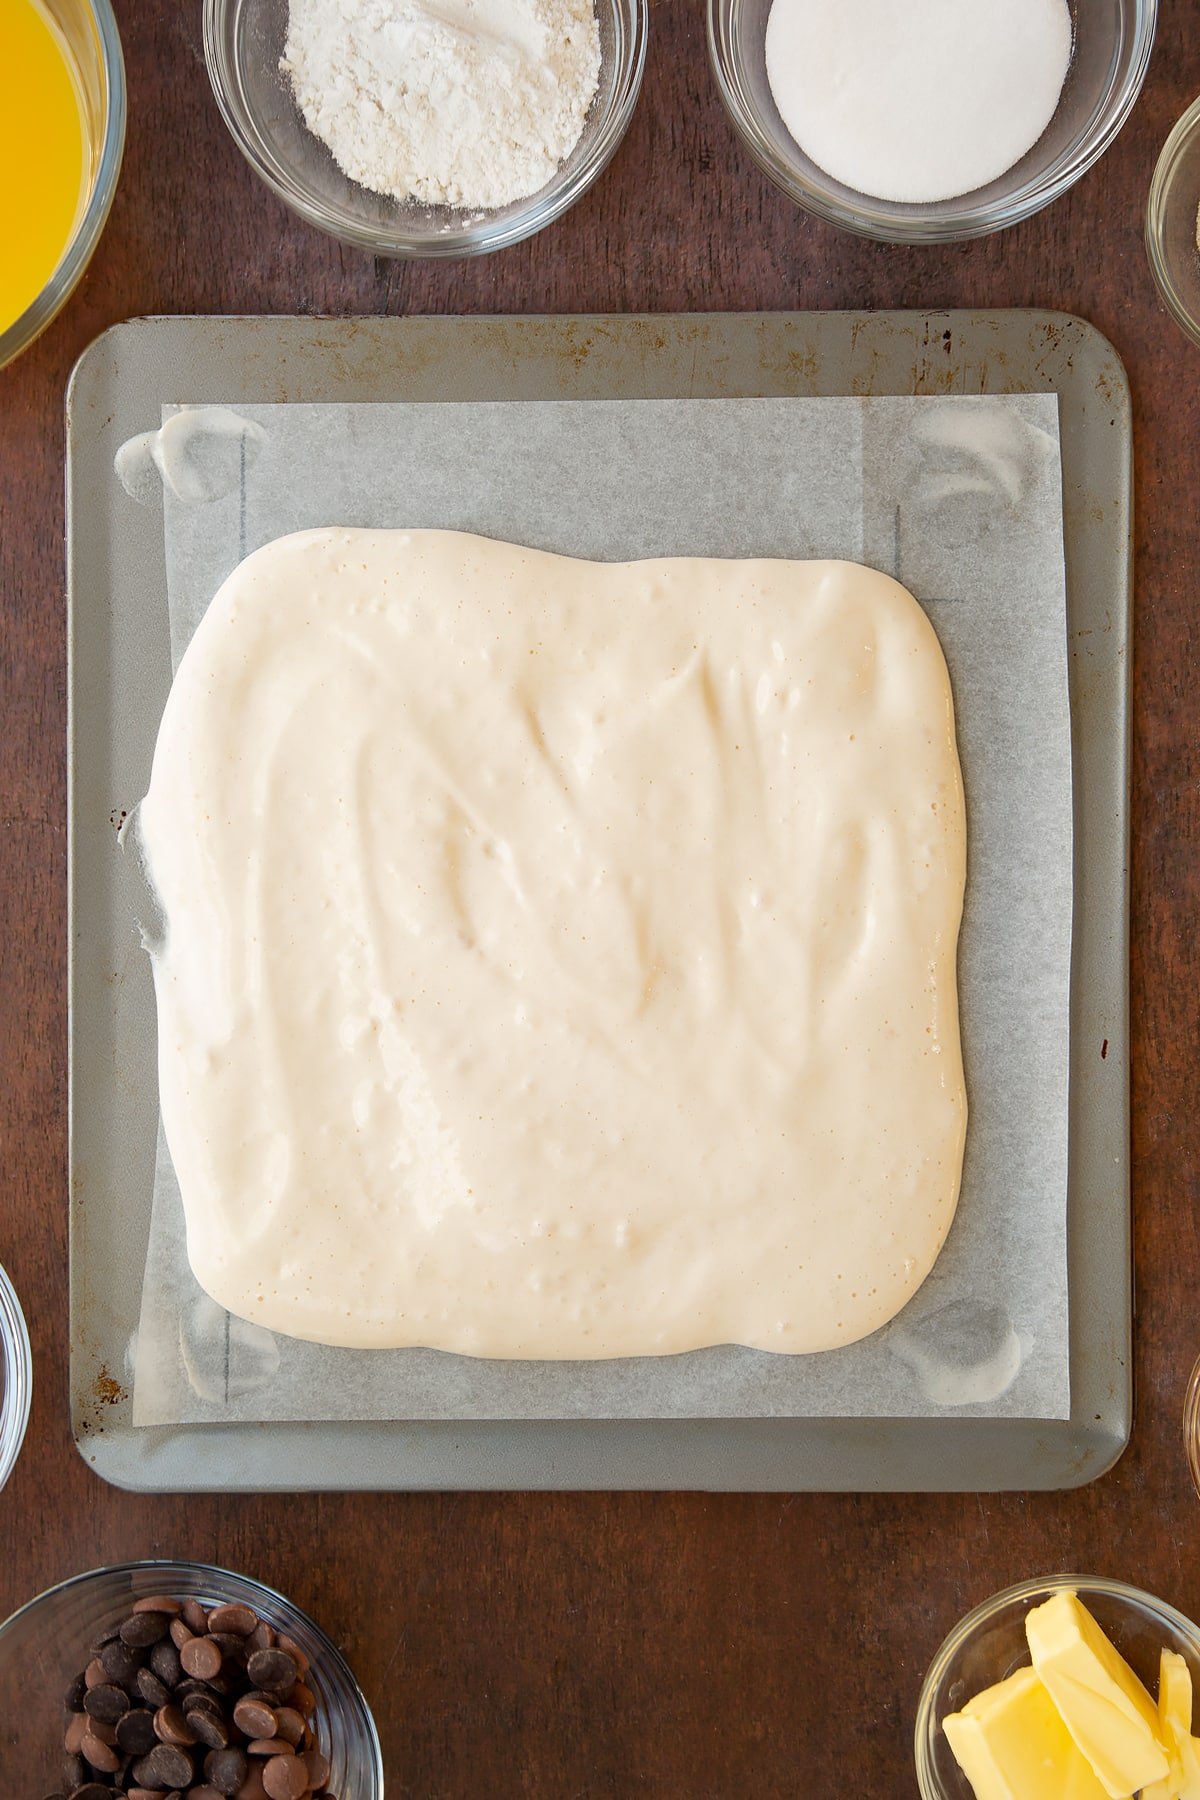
[1011,1745]
[1103,1705]
[1175,1725]
[1174,1695]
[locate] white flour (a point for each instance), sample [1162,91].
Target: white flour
[471,103]
[917,100]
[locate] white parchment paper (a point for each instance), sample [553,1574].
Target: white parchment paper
[960,498]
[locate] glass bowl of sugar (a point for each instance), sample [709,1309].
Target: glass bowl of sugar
[434,128]
[1173,246]
[918,121]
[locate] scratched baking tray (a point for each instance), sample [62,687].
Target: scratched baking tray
[119,672]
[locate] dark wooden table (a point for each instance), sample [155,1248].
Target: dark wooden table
[680,1646]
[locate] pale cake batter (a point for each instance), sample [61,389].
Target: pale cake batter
[560,955]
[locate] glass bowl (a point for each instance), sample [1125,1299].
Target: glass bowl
[16,1378]
[243,42]
[1171,222]
[89,31]
[989,1644]
[1113,40]
[1191,1399]
[45,1645]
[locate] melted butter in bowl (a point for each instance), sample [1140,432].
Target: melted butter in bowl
[560,957]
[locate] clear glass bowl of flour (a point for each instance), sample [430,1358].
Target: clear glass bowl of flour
[1110,54]
[243,44]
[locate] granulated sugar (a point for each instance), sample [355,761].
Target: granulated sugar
[469,103]
[917,100]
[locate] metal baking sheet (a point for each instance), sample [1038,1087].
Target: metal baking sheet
[118,635]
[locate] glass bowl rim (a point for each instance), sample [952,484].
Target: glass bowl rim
[249,1584]
[880,220]
[1178,138]
[86,235]
[1083,1585]
[538,211]
[18,1376]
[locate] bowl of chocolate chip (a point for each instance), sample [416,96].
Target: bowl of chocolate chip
[178,1681]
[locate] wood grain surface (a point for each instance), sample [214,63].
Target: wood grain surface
[677,1646]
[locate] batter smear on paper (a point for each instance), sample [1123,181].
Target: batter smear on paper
[560,956]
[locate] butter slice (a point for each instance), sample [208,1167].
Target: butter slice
[1174,1695]
[1175,1725]
[1011,1745]
[1103,1705]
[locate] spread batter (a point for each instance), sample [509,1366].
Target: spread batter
[560,956]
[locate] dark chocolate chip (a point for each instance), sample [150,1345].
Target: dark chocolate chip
[141,1629]
[154,1692]
[226,1770]
[273,1670]
[73,1698]
[107,1703]
[121,1662]
[195,1690]
[167,1766]
[74,1772]
[164,1660]
[135,1732]
[210,1727]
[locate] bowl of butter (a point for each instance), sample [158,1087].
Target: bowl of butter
[1066,1686]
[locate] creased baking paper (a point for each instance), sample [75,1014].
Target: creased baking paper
[958,497]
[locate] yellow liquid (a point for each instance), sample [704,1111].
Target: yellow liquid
[41,154]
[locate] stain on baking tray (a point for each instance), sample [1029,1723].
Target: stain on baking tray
[629,335]
[102,1392]
[107,1390]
